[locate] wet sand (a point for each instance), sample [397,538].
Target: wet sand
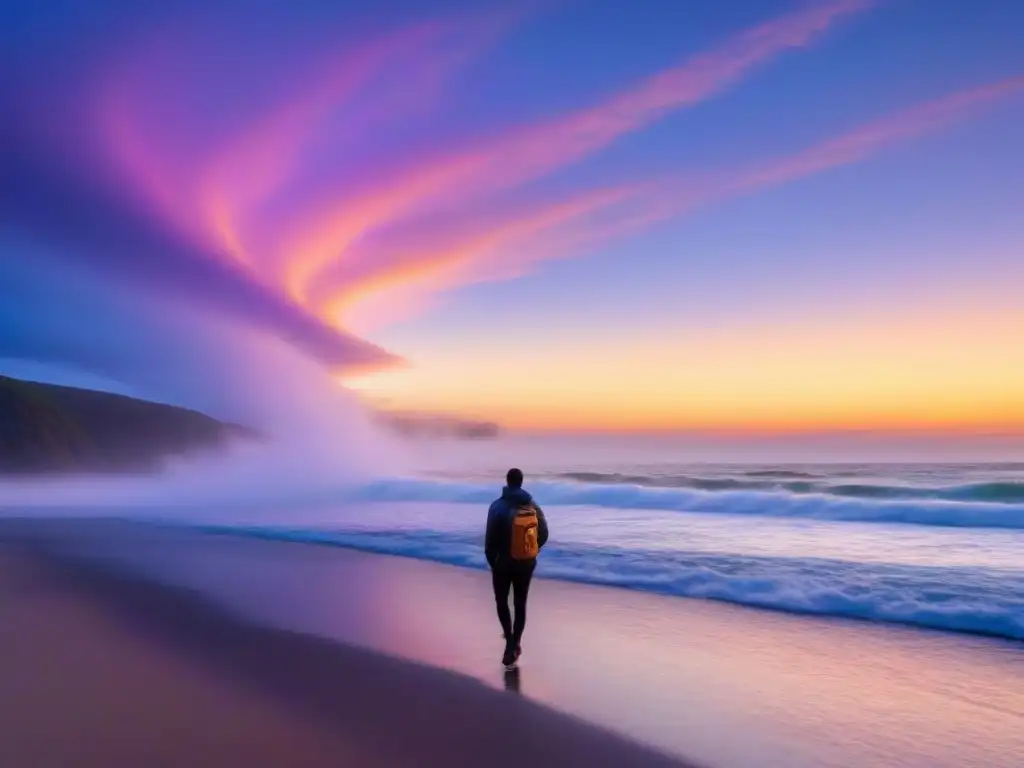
[103,670]
[717,684]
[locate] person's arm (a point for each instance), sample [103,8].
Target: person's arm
[491,537]
[542,526]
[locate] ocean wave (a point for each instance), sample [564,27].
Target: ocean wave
[780,473]
[958,509]
[687,481]
[1004,492]
[971,600]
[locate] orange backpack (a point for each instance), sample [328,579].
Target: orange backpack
[525,544]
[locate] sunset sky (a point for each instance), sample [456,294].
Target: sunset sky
[568,215]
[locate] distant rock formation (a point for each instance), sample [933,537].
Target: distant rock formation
[432,425]
[45,428]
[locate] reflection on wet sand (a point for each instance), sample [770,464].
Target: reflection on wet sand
[512,680]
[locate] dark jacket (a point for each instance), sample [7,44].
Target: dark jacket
[497,542]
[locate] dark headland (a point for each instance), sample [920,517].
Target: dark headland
[46,428]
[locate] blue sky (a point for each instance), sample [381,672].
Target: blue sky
[612,194]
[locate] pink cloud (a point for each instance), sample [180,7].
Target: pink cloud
[877,135]
[509,247]
[851,147]
[533,151]
[666,198]
[211,190]
[216,188]
[454,254]
[539,148]
[330,253]
[253,165]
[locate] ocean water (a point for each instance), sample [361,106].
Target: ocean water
[937,546]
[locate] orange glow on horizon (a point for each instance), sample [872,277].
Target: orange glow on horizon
[926,371]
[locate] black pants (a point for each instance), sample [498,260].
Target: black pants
[516,576]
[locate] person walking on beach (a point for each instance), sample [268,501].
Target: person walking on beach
[516,532]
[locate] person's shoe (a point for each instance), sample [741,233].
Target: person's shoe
[509,659]
[519,652]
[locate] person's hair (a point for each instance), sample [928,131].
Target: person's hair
[514,478]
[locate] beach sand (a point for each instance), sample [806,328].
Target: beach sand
[710,683]
[103,670]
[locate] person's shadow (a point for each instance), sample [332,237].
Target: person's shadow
[512,680]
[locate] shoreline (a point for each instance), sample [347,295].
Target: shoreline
[286,536]
[128,671]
